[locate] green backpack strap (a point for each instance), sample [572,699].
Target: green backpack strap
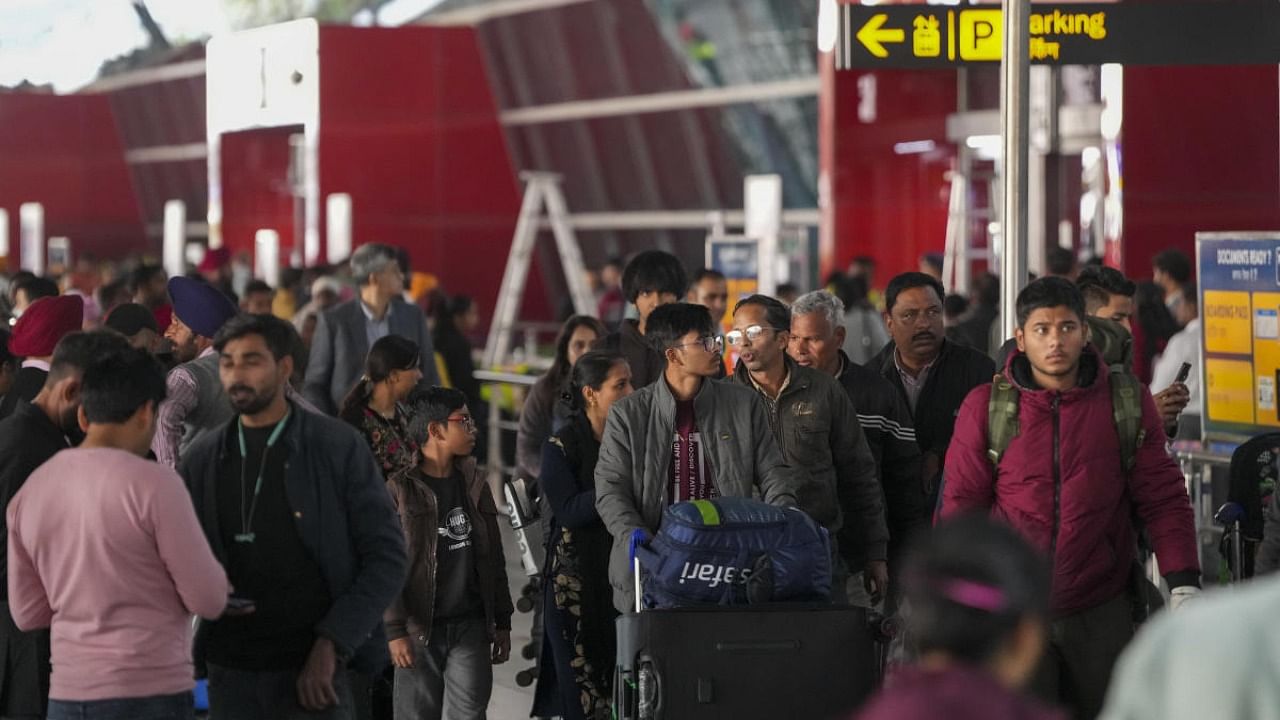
[1126,409]
[1002,418]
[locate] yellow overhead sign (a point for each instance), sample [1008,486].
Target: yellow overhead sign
[977,35]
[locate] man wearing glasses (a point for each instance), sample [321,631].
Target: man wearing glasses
[684,437]
[934,375]
[817,428]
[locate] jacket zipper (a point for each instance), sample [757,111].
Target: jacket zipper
[1057,477]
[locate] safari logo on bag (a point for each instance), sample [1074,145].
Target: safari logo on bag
[714,575]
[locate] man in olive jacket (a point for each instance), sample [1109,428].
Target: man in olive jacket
[685,437]
[817,428]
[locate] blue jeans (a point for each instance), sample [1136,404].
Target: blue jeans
[158,707]
[451,677]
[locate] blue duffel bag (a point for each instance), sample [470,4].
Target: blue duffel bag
[735,551]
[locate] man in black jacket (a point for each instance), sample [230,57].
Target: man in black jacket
[33,434]
[816,338]
[933,374]
[652,279]
[294,506]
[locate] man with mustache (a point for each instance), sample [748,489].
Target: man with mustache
[195,403]
[33,434]
[932,373]
[295,508]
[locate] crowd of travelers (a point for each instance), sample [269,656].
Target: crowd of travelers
[300,469]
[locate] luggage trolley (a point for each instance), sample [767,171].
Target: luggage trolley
[798,660]
[1255,468]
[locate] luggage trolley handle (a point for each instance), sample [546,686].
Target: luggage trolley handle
[639,538]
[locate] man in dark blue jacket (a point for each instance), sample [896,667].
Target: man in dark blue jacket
[294,506]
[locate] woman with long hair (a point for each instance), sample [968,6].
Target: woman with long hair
[979,598]
[537,417]
[391,372]
[578,644]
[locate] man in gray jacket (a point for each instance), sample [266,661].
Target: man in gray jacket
[685,437]
[817,427]
[344,334]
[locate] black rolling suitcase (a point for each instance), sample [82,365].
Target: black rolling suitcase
[798,662]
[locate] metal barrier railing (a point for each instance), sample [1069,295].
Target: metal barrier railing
[494,465]
[1197,467]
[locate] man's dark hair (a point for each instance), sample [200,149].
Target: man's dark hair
[705,274]
[257,286]
[433,405]
[1059,261]
[279,335]
[955,305]
[615,262]
[775,313]
[1098,283]
[1049,292]
[76,351]
[654,271]
[907,281]
[1175,264]
[35,287]
[668,323]
[117,385]
[986,290]
[143,275]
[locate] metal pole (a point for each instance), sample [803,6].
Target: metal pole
[1015,79]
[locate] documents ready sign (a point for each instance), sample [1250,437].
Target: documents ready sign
[1239,276]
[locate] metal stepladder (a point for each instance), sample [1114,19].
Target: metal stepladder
[542,190]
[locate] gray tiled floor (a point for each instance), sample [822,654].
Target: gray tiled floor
[510,701]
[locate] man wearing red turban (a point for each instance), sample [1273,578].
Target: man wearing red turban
[34,336]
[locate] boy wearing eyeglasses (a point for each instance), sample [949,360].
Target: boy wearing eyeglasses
[452,622]
[685,437]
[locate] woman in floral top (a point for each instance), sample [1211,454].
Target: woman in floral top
[374,407]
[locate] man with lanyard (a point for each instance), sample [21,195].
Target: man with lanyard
[294,506]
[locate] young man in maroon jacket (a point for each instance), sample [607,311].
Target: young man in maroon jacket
[1062,483]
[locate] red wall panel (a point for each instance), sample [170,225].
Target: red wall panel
[1200,151]
[878,202]
[255,188]
[409,128]
[64,152]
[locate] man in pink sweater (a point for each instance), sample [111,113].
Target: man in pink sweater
[105,549]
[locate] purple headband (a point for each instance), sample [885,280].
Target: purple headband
[973,595]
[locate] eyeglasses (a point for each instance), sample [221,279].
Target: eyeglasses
[710,343]
[468,423]
[751,334]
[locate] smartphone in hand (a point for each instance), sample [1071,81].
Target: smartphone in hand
[1183,373]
